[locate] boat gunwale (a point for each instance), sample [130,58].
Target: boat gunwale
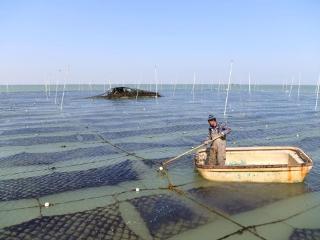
[283,167]
[254,168]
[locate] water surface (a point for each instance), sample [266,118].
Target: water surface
[88,159]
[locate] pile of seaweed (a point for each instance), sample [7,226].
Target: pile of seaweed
[126,92]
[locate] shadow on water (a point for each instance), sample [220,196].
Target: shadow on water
[234,198]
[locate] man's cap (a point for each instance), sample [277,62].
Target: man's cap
[211,117]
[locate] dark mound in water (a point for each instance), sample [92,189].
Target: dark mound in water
[125,92]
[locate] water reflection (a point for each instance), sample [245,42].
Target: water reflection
[234,198]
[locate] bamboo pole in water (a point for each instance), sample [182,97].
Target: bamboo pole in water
[138,85]
[193,85]
[292,79]
[249,82]
[299,85]
[110,84]
[174,85]
[64,86]
[317,95]
[55,98]
[46,88]
[49,86]
[286,86]
[229,81]
[156,78]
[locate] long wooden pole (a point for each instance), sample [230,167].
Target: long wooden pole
[187,152]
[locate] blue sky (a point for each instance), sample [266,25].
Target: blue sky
[122,41]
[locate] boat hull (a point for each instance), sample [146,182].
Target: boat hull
[284,165]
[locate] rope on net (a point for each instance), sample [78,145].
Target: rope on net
[171,187]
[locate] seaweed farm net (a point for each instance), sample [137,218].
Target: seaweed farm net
[90,171]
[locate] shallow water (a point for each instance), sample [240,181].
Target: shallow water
[88,159]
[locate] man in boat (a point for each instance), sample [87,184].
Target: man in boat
[217,149]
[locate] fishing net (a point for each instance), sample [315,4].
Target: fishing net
[99,223]
[35,187]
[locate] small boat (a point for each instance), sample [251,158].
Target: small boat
[257,164]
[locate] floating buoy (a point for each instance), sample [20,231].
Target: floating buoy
[298,135]
[160,168]
[46,204]
[137,189]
